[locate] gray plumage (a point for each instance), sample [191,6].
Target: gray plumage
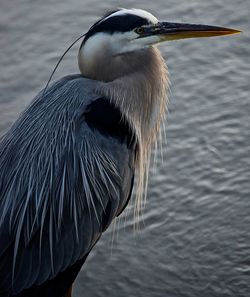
[57,178]
[61,174]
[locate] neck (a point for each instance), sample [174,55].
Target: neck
[141,97]
[140,94]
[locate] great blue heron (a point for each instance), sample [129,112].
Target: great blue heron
[67,165]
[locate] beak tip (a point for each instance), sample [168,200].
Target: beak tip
[234,31]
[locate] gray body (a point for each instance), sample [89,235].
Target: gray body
[61,184]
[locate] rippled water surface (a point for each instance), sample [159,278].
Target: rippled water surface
[194,239]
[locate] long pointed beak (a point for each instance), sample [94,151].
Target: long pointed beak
[174,31]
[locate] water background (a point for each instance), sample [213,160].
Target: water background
[195,236]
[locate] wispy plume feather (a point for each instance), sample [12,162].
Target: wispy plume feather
[142,99]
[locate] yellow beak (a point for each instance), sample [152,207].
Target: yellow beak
[174,31]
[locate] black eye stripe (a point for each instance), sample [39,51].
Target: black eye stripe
[119,23]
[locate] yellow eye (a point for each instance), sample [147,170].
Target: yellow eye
[139,30]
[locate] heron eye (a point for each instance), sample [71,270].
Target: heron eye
[139,30]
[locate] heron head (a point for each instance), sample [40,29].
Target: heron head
[127,31]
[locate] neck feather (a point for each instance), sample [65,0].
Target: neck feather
[141,97]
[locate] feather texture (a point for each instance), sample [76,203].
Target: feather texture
[58,176]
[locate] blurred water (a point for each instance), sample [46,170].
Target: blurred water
[194,240]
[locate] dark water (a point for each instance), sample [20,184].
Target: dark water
[194,239]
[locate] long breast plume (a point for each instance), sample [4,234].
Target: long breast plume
[142,99]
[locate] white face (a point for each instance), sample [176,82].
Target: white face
[117,43]
[120,42]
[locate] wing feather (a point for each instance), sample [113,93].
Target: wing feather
[62,181]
